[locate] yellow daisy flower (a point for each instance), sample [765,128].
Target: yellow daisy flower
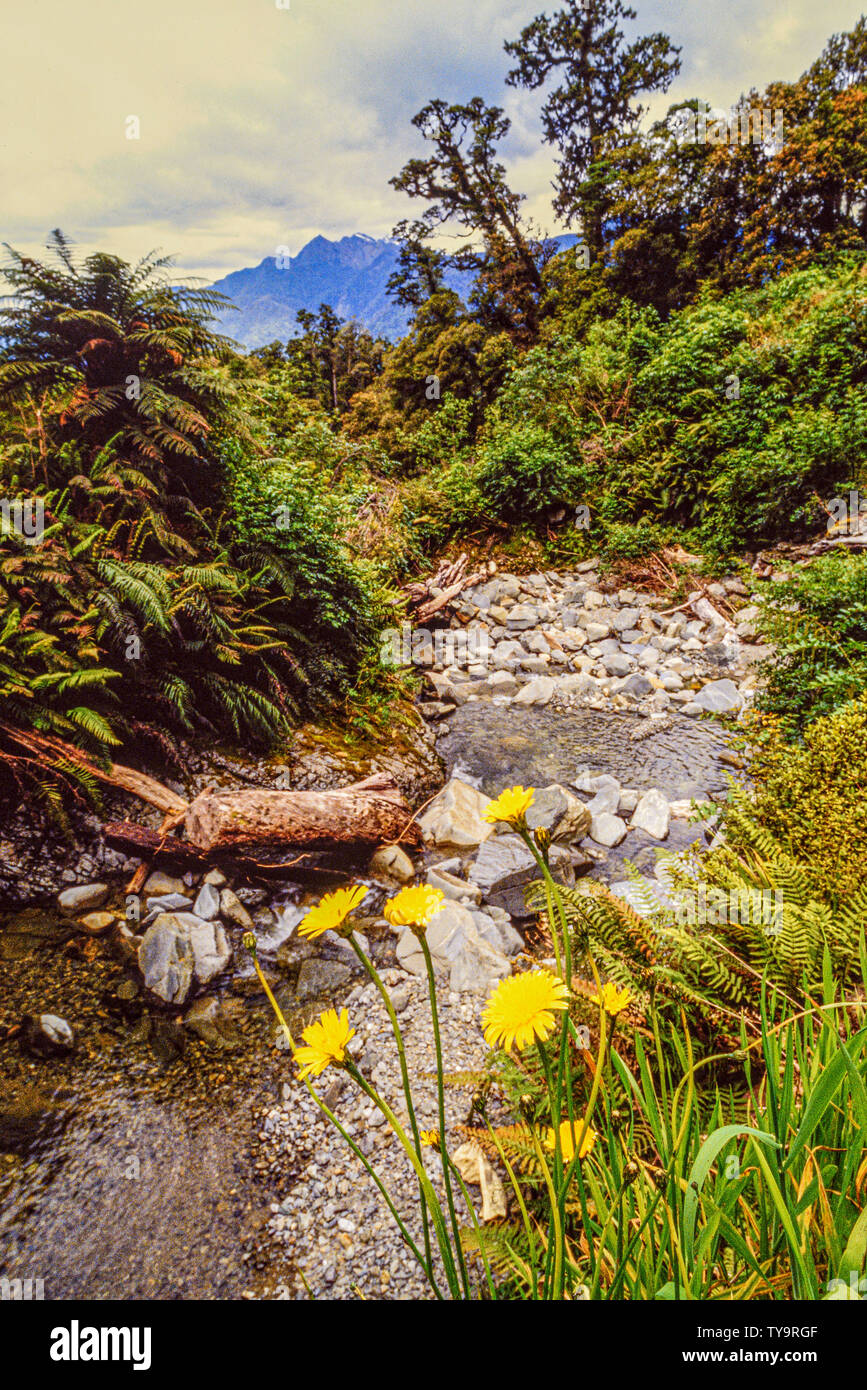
[327,1040]
[430,1138]
[332,910]
[414,907]
[569,1137]
[613,1000]
[511,805]
[522,1008]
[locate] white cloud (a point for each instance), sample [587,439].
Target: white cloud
[262,126]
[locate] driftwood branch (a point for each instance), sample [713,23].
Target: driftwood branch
[427,596]
[371,812]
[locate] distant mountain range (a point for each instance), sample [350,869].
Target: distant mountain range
[350,274]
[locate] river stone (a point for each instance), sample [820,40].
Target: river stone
[507,654]
[319,977]
[454,817]
[652,815]
[393,862]
[498,931]
[168,902]
[210,1019]
[453,887]
[83,897]
[47,1035]
[635,685]
[233,910]
[607,796]
[560,811]
[502,683]
[536,692]
[522,616]
[719,697]
[178,948]
[607,829]
[95,923]
[165,959]
[505,862]
[625,618]
[616,664]
[158,883]
[455,945]
[207,904]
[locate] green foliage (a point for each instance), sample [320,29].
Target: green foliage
[817,620]
[811,798]
[524,470]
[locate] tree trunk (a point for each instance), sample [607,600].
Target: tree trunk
[368,812]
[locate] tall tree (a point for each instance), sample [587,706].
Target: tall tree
[599,77]
[464,184]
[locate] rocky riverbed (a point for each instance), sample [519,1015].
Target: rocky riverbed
[152,1134]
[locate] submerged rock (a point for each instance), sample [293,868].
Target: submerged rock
[82,898]
[47,1035]
[178,950]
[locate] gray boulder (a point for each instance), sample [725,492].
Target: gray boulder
[719,697]
[207,904]
[557,809]
[536,692]
[456,947]
[607,829]
[178,950]
[454,817]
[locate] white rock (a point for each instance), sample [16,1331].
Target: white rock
[652,815]
[536,692]
[607,830]
[454,817]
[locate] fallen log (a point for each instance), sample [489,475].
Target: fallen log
[369,812]
[166,849]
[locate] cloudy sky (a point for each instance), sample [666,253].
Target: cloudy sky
[263,126]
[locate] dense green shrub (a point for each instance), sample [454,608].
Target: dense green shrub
[817,620]
[812,797]
[525,469]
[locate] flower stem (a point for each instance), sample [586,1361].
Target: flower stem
[428,1193]
[404,1073]
[442,1109]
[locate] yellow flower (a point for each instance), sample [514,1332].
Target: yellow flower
[332,910]
[430,1138]
[327,1040]
[511,805]
[521,1008]
[414,907]
[569,1137]
[613,1000]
